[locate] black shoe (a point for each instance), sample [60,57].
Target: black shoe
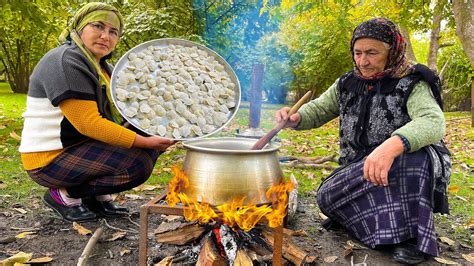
[407,253]
[78,213]
[105,208]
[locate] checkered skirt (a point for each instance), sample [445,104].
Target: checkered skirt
[378,215]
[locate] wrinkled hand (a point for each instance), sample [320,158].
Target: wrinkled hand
[152,142]
[380,160]
[282,115]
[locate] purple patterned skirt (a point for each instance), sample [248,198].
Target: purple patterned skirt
[378,215]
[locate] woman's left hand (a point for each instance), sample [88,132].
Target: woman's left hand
[380,160]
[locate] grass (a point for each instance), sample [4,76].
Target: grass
[17,187]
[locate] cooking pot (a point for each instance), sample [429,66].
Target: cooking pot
[222,169]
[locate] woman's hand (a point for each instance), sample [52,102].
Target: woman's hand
[152,142]
[282,115]
[380,160]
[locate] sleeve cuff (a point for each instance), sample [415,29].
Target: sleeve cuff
[405,142]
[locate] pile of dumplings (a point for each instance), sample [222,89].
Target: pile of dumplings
[175,91]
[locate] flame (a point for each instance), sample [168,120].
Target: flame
[278,195]
[233,213]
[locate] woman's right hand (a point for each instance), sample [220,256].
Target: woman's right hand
[152,142]
[282,115]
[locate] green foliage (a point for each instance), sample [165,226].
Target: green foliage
[456,77]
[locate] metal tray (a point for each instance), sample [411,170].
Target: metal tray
[123,62]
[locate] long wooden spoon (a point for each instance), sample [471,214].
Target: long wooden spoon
[265,139]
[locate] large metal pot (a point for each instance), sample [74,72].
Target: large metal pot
[221,169]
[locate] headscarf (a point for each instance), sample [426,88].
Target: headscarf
[93,12]
[386,31]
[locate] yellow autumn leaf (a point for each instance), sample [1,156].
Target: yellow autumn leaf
[453,189]
[15,136]
[124,251]
[40,260]
[24,234]
[447,240]
[470,224]
[20,257]
[445,261]
[117,235]
[330,259]
[80,229]
[468,257]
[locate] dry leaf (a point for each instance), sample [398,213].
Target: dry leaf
[24,234]
[354,245]
[3,185]
[124,251]
[2,127]
[168,261]
[20,257]
[330,259]
[20,210]
[469,225]
[80,229]
[117,235]
[445,261]
[453,189]
[348,251]
[447,240]
[40,260]
[322,216]
[133,196]
[146,188]
[468,257]
[15,136]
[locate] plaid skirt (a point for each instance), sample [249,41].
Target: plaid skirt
[96,168]
[378,215]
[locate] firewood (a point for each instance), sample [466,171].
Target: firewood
[290,251]
[209,255]
[89,247]
[242,258]
[181,236]
[309,160]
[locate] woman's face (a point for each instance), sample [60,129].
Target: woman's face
[100,38]
[370,56]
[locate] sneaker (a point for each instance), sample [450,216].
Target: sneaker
[78,213]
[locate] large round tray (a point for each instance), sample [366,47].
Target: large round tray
[123,62]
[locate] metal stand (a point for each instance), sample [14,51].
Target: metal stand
[153,207]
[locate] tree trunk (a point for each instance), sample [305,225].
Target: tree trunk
[406,35]
[464,18]
[434,38]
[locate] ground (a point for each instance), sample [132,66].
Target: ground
[58,239]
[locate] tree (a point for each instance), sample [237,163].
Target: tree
[464,17]
[29,29]
[434,36]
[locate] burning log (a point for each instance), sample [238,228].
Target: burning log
[242,258]
[290,251]
[229,242]
[182,235]
[209,254]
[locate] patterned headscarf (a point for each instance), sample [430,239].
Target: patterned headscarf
[92,12]
[386,31]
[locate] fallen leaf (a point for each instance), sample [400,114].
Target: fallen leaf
[2,127]
[322,216]
[20,257]
[15,136]
[447,240]
[117,235]
[20,210]
[124,251]
[145,187]
[445,261]
[348,250]
[354,245]
[133,196]
[453,188]
[166,169]
[469,225]
[80,229]
[170,218]
[468,257]
[3,185]
[40,260]
[330,259]
[24,234]
[168,261]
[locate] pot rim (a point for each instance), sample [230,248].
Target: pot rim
[194,145]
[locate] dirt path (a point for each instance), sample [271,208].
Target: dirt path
[57,239]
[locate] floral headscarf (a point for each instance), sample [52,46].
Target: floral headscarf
[386,31]
[92,12]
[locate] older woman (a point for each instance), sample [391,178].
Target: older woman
[394,167]
[73,142]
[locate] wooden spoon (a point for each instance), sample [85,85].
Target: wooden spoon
[265,139]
